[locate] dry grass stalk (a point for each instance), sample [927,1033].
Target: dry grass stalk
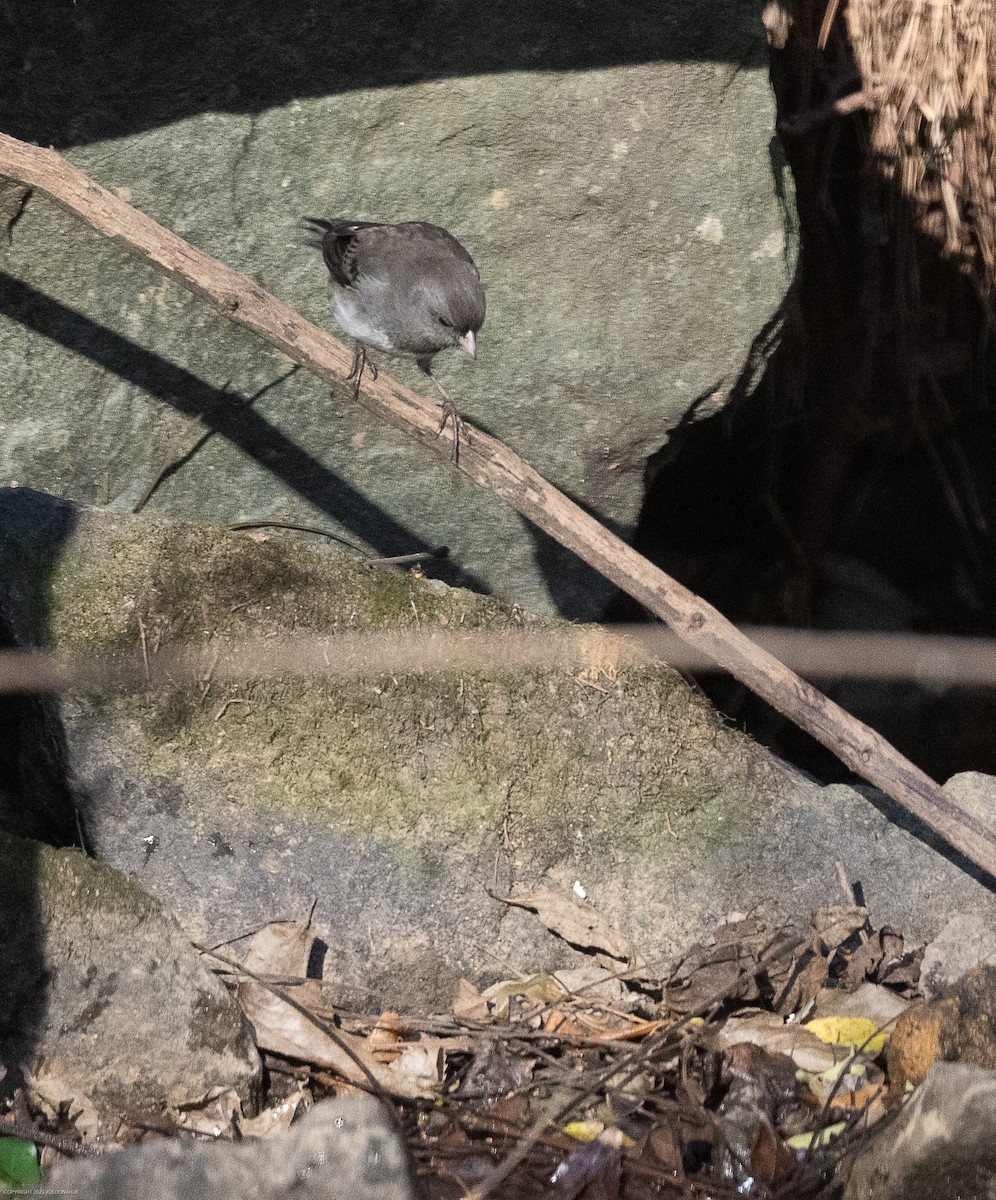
[933,65]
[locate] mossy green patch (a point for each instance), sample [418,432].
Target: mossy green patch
[548,760]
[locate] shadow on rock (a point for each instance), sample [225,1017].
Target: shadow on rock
[75,73]
[220,411]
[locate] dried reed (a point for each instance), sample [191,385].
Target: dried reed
[931,64]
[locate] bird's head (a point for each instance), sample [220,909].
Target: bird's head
[455,308]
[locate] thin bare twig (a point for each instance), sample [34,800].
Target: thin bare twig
[240,526]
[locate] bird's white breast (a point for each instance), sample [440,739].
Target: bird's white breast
[350,316]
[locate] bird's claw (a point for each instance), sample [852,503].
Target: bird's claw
[360,361]
[450,414]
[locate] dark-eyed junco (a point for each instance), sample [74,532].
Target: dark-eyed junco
[409,290]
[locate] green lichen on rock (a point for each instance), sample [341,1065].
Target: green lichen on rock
[120,579]
[548,757]
[545,763]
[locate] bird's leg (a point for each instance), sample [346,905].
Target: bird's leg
[360,361]
[449,414]
[356,370]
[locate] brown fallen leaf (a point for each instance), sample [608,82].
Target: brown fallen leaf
[280,948]
[576,923]
[51,1095]
[770,1159]
[595,986]
[771,1033]
[832,926]
[869,1101]
[879,1004]
[426,1059]
[536,992]
[469,1003]
[283,1029]
[598,1028]
[800,988]
[883,958]
[272,1121]
[388,1032]
[727,965]
[212,1115]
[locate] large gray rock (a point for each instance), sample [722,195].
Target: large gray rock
[346,1149]
[398,804]
[103,997]
[610,172]
[942,1145]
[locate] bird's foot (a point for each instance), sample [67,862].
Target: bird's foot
[449,414]
[360,361]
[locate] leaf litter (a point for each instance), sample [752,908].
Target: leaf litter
[752,1064]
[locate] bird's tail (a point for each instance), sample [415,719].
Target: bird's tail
[318,228]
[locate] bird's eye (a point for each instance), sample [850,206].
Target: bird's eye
[445,324]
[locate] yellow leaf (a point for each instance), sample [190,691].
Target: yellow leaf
[584,1131]
[815,1138]
[859,1032]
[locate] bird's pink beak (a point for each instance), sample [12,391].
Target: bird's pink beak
[469,343]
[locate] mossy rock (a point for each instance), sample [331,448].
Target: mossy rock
[402,804]
[113,1005]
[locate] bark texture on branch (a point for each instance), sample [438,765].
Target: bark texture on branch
[492,464]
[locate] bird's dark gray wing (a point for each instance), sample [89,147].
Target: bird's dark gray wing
[429,240]
[337,241]
[407,254]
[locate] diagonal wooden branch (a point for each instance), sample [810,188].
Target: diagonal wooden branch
[491,464]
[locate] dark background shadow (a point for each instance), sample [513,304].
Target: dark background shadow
[851,489]
[37,796]
[38,799]
[192,56]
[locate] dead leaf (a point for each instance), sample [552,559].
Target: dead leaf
[798,991]
[272,1121]
[281,948]
[52,1096]
[836,1088]
[538,991]
[469,1003]
[495,1070]
[425,1060]
[832,926]
[576,923]
[882,959]
[770,1159]
[388,1032]
[213,1115]
[598,1028]
[868,1100]
[760,1083]
[771,1033]
[596,986]
[859,1033]
[662,1150]
[879,1004]
[726,967]
[283,1029]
